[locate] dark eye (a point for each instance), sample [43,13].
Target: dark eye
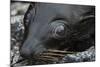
[59,29]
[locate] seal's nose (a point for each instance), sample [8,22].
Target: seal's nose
[28,48]
[25,52]
[31,48]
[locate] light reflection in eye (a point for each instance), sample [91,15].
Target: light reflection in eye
[60,30]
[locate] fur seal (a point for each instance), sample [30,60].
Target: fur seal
[58,26]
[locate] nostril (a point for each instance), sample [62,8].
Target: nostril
[26,53]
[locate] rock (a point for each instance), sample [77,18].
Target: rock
[18,8]
[17,19]
[88,55]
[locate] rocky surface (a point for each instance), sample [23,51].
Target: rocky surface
[88,55]
[18,10]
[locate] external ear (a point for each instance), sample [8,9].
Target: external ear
[28,17]
[29,13]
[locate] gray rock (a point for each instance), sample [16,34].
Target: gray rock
[88,55]
[18,8]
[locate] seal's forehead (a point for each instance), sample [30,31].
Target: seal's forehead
[67,11]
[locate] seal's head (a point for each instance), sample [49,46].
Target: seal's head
[50,25]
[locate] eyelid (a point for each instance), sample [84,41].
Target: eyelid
[59,18]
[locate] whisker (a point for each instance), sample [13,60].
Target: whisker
[60,51]
[48,58]
[53,54]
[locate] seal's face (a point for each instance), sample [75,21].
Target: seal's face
[50,26]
